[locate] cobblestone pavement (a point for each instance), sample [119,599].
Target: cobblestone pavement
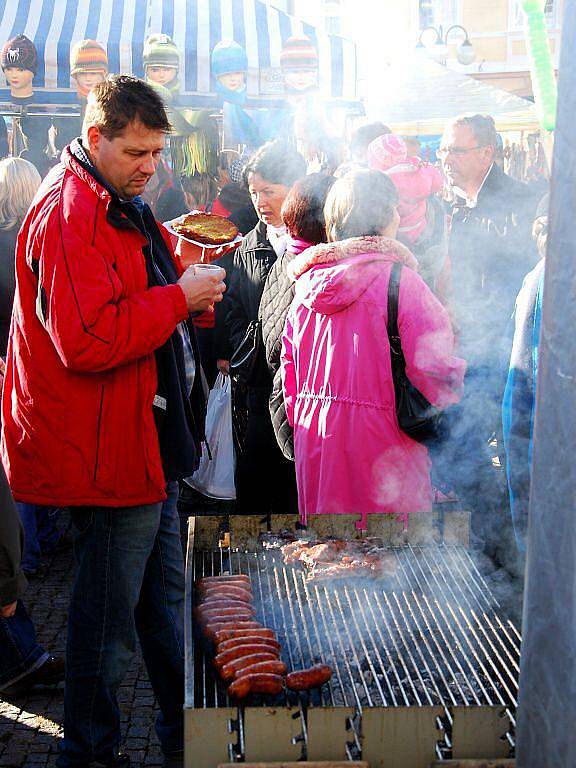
[30,726]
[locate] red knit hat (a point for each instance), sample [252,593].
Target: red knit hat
[19,52]
[299,53]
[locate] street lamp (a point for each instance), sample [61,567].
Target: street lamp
[439,50]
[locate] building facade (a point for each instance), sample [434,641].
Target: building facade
[388,28]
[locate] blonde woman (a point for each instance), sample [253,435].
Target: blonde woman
[19,181]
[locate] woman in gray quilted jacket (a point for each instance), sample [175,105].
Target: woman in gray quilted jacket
[303,217]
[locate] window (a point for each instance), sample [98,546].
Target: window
[438,12]
[550,11]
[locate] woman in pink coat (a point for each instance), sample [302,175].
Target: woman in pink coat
[351,456]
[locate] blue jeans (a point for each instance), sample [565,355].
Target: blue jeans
[129,582]
[41,533]
[19,651]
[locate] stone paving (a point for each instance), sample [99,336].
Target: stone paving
[30,726]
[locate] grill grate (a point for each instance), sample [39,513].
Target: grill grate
[430,636]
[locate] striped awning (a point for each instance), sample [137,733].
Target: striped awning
[195,25]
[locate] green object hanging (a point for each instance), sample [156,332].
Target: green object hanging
[541,67]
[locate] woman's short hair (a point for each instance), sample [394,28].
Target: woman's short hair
[277,163]
[19,182]
[303,208]
[360,204]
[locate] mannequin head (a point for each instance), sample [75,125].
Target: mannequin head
[88,65]
[19,61]
[161,62]
[299,63]
[229,66]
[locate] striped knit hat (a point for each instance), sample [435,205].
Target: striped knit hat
[160,51]
[19,52]
[299,53]
[88,56]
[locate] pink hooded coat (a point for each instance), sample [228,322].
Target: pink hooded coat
[351,456]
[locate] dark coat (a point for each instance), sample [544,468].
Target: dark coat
[265,480]
[7,283]
[274,305]
[12,580]
[245,283]
[491,251]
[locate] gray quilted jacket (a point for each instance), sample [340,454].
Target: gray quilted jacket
[274,304]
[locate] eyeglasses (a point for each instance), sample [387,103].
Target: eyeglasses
[443,152]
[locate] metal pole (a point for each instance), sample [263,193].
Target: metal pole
[547,711]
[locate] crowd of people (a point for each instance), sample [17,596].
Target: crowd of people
[109,356]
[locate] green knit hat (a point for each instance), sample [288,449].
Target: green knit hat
[160,51]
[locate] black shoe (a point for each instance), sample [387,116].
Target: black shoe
[50,673]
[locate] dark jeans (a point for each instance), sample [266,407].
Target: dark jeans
[129,582]
[19,651]
[41,533]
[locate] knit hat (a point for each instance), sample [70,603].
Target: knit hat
[160,51]
[385,152]
[227,57]
[88,56]
[299,53]
[19,52]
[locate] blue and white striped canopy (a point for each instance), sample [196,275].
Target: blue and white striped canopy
[195,25]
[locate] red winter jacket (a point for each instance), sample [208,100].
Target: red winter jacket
[78,425]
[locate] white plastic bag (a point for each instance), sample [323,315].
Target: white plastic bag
[215,476]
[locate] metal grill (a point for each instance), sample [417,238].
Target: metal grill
[430,636]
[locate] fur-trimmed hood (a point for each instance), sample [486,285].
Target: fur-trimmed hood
[330,253]
[332,276]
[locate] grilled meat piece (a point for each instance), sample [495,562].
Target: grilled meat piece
[227,633]
[257,683]
[305,679]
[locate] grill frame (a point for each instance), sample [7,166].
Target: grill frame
[444,720]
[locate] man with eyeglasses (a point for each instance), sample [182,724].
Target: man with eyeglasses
[490,252]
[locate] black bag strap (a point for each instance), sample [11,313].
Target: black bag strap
[398,361]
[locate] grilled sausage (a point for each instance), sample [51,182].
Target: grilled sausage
[254,639]
[216,614]
[239,578]
[237,593]
[240,651]
[258,683]
[229,670]
[229,633]
[304,679]
[268,667]
[222,602]
[213,627]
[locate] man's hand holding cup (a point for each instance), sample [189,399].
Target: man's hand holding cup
[203,285]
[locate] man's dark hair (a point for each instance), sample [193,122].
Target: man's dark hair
[120,100]
[303,208]
[277,163]
[364,136]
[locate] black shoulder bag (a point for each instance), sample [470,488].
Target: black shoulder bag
[416,416]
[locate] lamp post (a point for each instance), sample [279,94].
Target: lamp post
[439,50]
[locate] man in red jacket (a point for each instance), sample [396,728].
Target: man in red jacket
[103,409]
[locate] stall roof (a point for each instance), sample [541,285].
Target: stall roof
[418,96]
[195,25]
